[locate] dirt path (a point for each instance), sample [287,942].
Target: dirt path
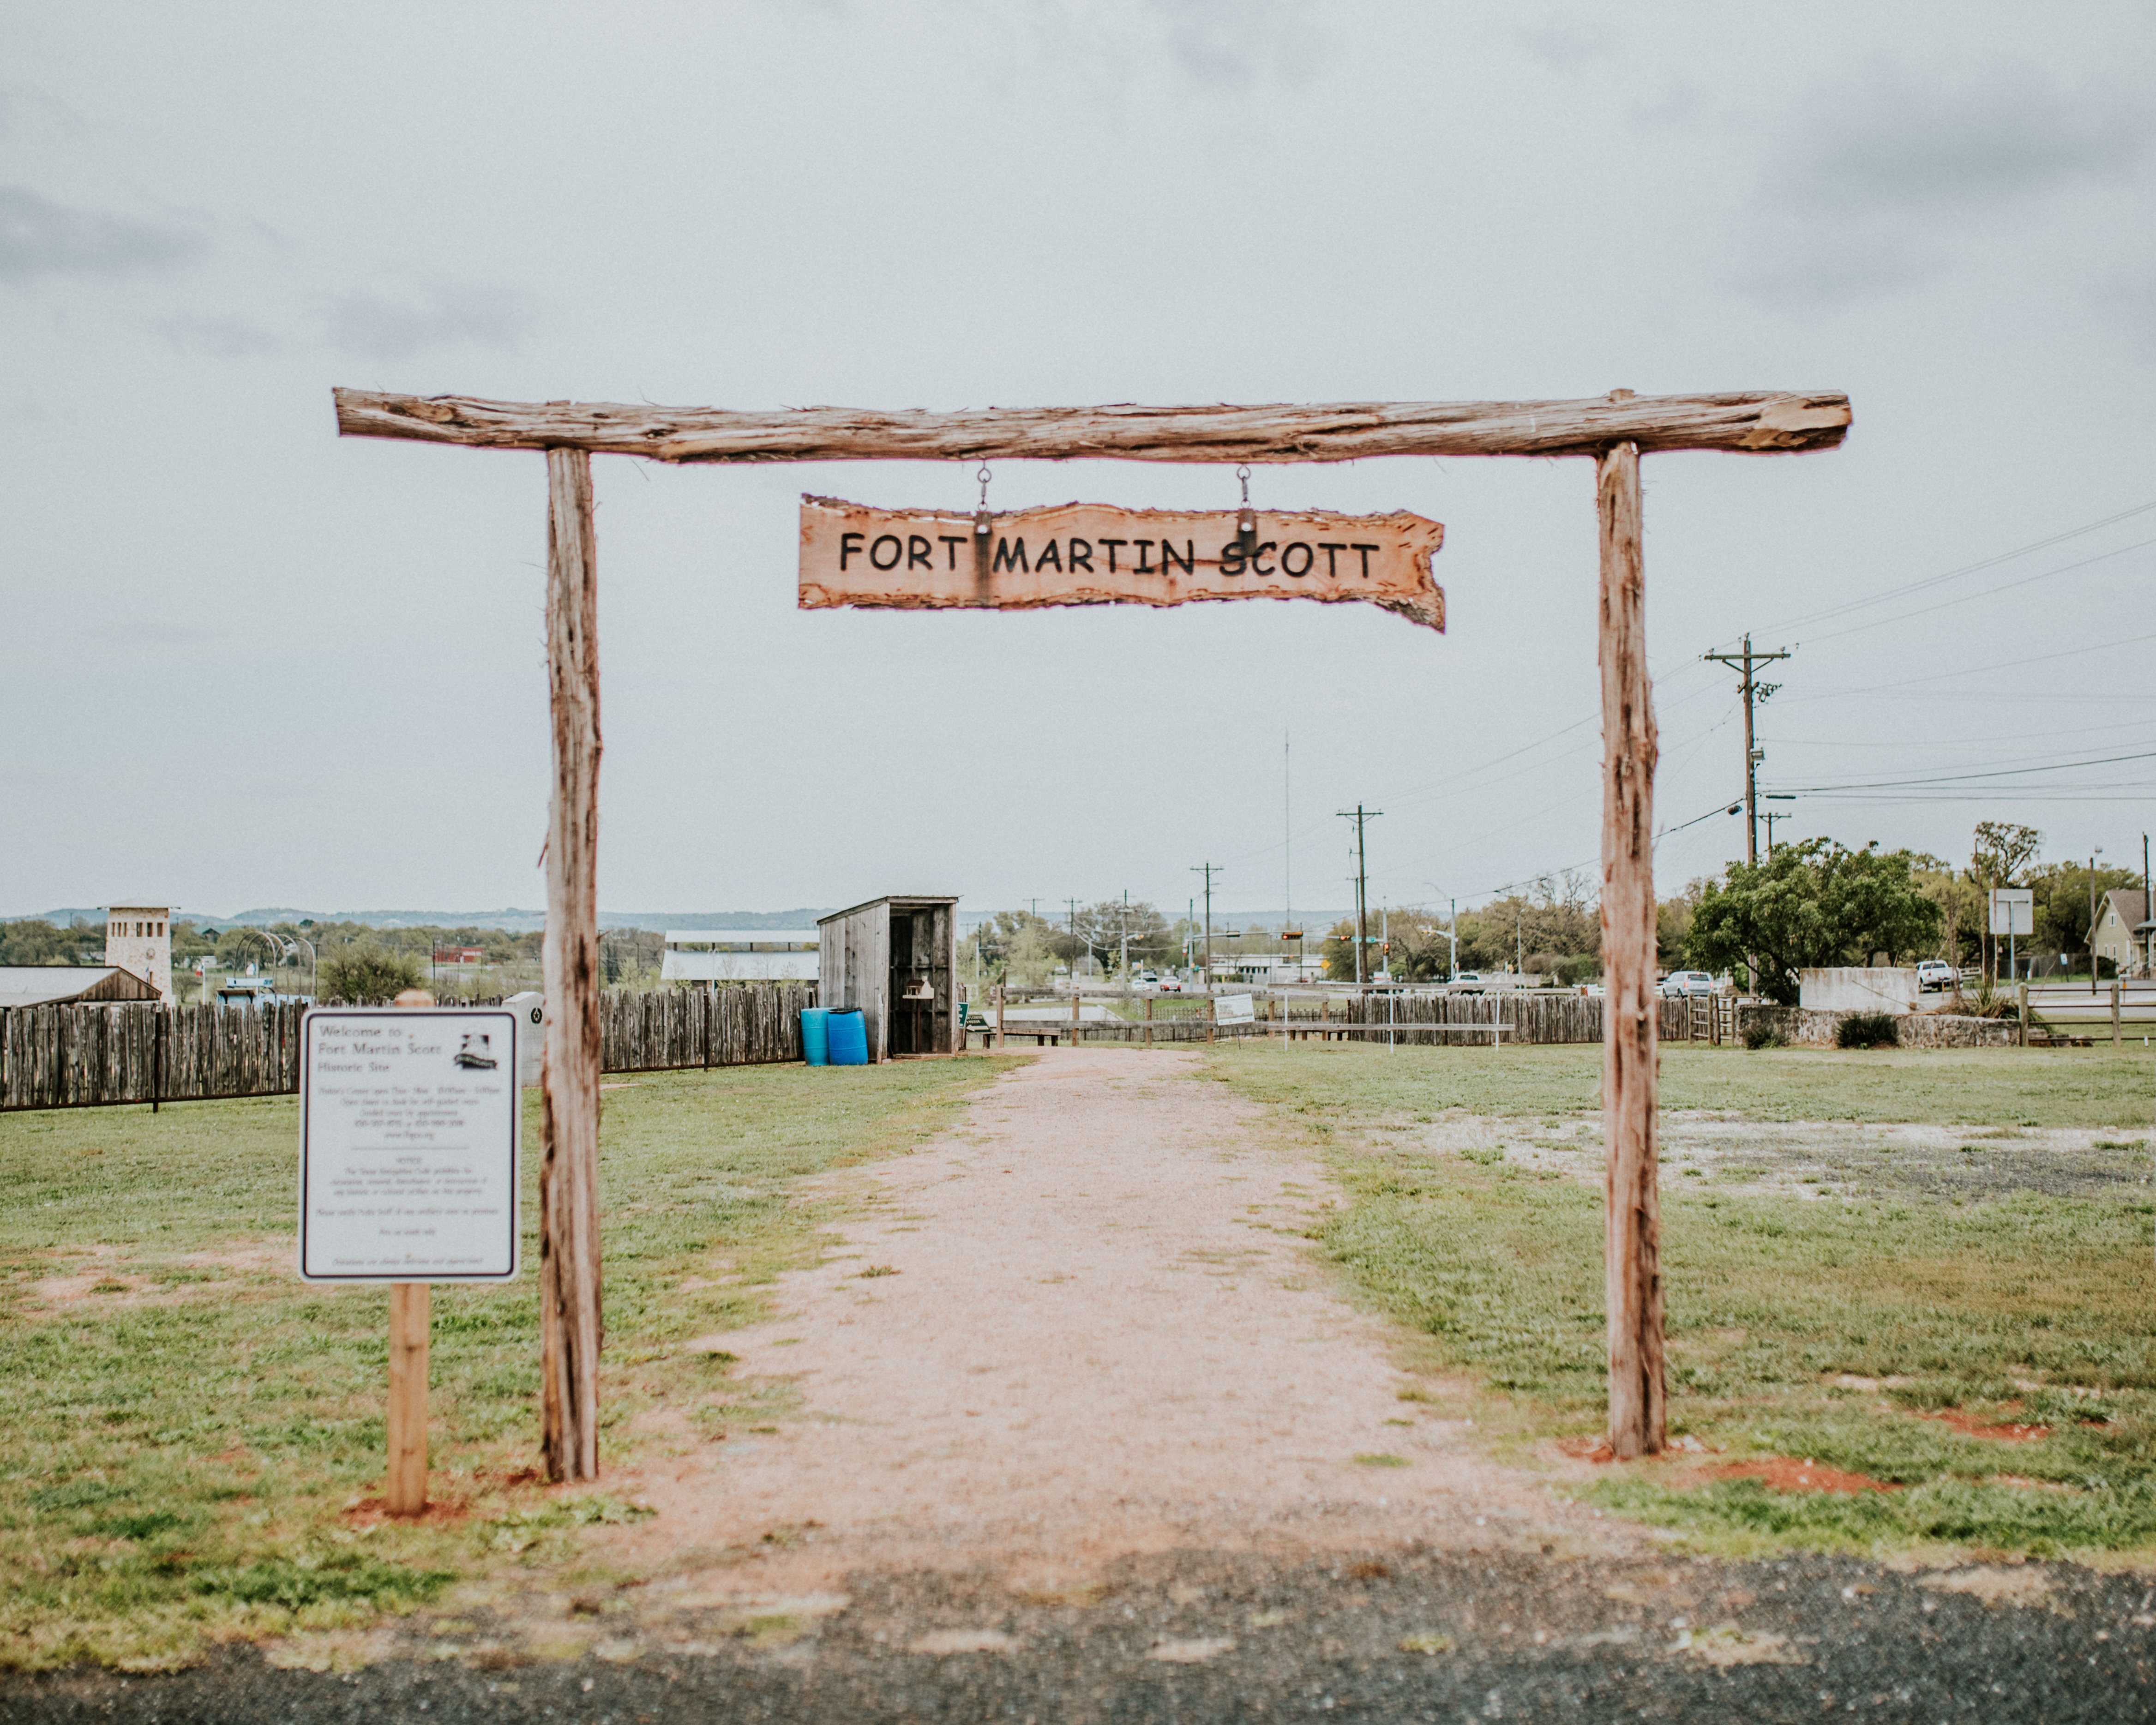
[1101,1335]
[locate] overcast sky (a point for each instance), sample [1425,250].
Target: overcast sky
[247,663]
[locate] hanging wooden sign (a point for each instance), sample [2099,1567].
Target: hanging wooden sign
[1095,554]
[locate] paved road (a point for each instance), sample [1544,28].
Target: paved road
[1194,1639]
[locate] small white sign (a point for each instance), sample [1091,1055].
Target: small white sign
[408,1139]
[1233,1009]
[2013,909]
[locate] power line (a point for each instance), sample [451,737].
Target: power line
[1981,669]
[1971,599]
[1974,568]
[1886,784]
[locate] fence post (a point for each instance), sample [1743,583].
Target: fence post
[2114,1012]
[2022,995]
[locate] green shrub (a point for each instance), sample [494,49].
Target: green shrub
[1763,1032]
[1867,1030]
[367,972]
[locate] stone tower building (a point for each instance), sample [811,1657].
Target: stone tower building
[139,938]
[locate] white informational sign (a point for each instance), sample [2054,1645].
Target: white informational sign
[408,1140]
[2013,911]
[1233,1009]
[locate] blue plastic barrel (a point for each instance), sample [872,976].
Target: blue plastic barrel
[815,1045]
[847,1035]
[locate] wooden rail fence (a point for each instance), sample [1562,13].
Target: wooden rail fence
[1404,1021]
[92,1056]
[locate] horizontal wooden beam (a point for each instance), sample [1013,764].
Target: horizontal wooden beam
[1757,422]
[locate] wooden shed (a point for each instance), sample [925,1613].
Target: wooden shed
[897,958]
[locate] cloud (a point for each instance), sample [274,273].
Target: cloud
[40,238]
[1222,43]
[226,338]
[1870,187]
[1898,148]
[1561,44]
[396,323]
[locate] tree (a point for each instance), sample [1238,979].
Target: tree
[1102,927]
[2001,851]
[2061,902]
[368,971]
[1673,922]
[1810,905]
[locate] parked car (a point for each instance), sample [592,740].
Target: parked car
[1936,973]
[1148,979]
[1171,984]
[1468,982]
[1679,983]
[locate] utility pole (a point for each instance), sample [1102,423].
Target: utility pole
[1771,817]
[1753,690]
[2093,855]
[1287,837]
[1073,945]
[1209,870]
[1359,815]
[1126,959]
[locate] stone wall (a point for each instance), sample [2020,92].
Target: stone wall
[1802,1027]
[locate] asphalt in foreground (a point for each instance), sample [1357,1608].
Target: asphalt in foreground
[1422,1635]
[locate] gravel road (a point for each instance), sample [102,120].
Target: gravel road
[1191,1638]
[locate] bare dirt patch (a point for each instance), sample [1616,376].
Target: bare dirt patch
[1785,1473]
[1096,1334]
[1969,1425]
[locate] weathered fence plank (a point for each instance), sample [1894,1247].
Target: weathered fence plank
[96,1055]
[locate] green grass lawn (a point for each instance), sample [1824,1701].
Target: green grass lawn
[183,1423]
[2023,1307]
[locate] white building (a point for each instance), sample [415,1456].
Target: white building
[138,938]
[740,955]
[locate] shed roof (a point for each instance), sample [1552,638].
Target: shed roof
[52,984]
[896,900]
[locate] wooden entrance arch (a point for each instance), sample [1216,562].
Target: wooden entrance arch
[1613,431]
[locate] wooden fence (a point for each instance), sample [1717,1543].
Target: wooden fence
[1404,1020]
[740,1024]
[89,1056]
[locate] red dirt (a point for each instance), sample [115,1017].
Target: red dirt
[1782,1474]
[369,1512]
[1969,1426]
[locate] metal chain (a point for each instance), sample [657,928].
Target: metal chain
[1244,475]
[984,476]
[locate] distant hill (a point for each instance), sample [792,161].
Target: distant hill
[510,918]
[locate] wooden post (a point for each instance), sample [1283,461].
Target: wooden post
[999,1014]
[2021,1008]
[570,1332]
[1148,1017]
[1632,1266]
[405,1492]
[2114,1007]
[1074,1008]
[405,1486]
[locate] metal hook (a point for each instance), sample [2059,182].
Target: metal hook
[985,475]
[1246,521]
